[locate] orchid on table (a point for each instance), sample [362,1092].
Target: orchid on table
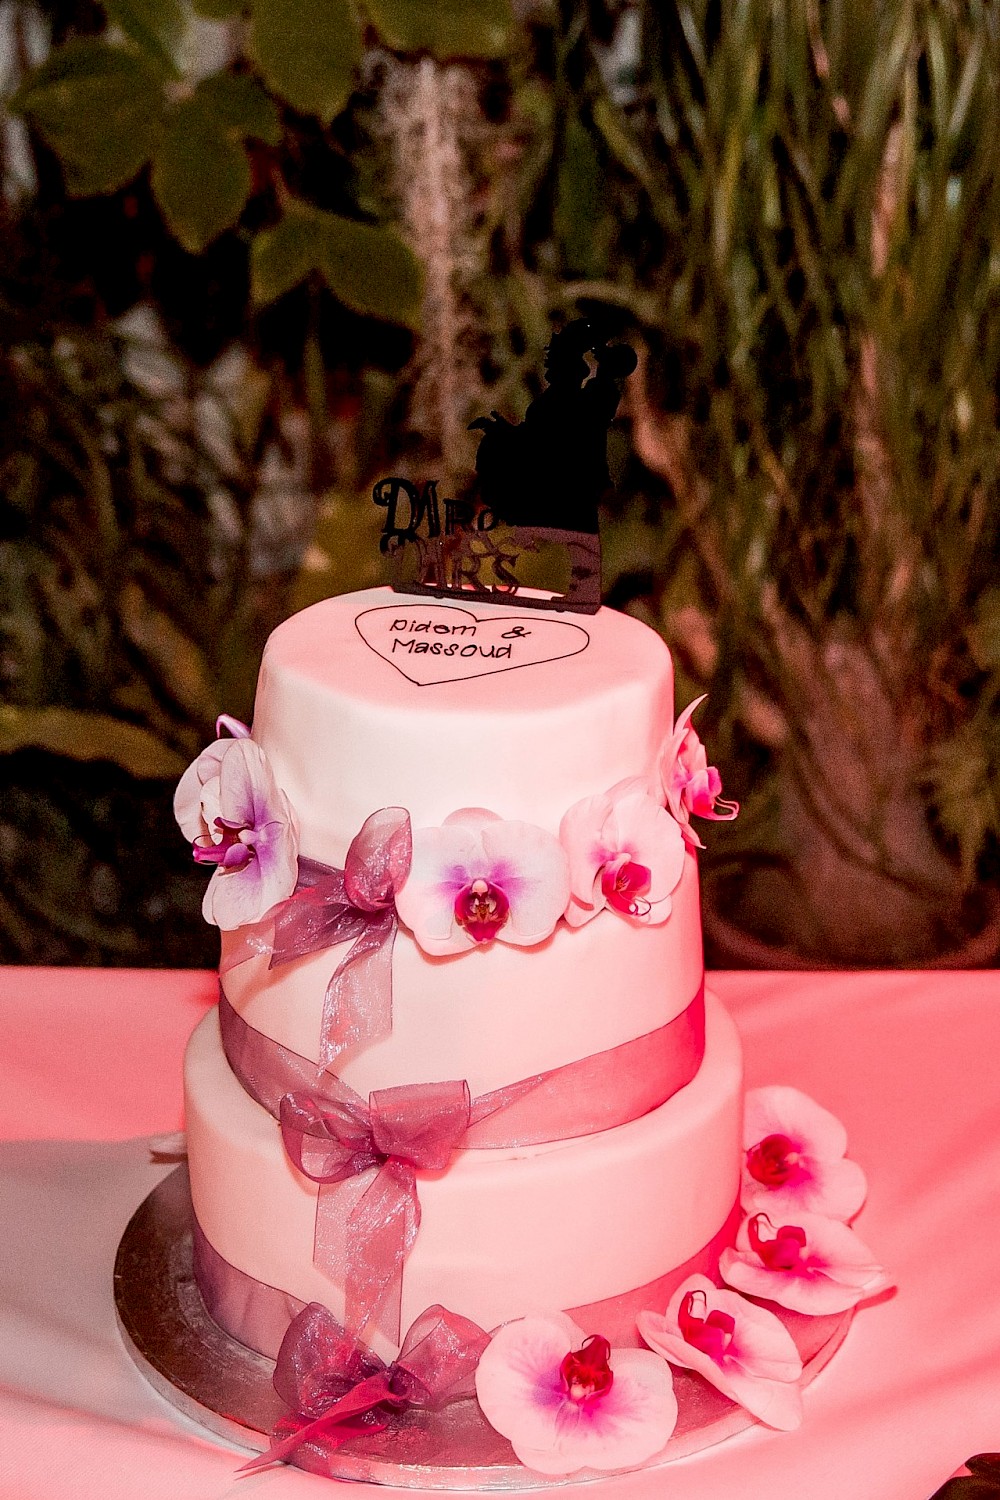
[625,852]
[795,1160]
[478,879]
[816,1265]
[238,819]
[567,1401]
[690,784]
[741,1349]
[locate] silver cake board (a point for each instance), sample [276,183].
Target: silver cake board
[226,1387]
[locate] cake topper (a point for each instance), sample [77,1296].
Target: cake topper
[530,529]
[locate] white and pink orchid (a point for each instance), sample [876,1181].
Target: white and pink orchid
[238,819]
[816,1265]
[478,878]
[625,852]
[690,784]
[568,1402]
[743,1350]
[795,1159]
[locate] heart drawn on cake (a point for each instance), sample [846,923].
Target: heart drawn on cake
[434,643]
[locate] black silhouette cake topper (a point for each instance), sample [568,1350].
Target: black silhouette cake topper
[530,528]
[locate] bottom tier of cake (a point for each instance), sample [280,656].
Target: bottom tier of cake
[574,1225]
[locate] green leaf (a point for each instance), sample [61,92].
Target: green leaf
[446,28]
[578,200]
[239,104]
[308,51]
[201,176]
[100,108]
[157,26]
[88,736]
[283,256]
[370,269]
[366,266]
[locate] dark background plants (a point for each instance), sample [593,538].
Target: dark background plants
[251,256]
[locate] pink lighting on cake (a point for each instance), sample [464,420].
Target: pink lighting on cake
[795,1158]
[816,1266]
[690,784]
[625,851]
[238,819]
[567,1402]
[477,879]
[740,1348]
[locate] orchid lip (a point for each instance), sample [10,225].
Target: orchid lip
[711,1333]
[586,1372]
[231,852]
[625,883]
[773,1160]
[783,1251]
[481,909]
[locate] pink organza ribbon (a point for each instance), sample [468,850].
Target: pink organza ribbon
[375,1151]
[365,1157]
[337,1387]
[356,905]
[257,1314]
[578,1098]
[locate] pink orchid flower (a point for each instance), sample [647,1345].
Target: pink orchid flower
[478,878]
[238,819]
[816,1265]
[568,1402]
[795,1158]
[741,1349]
[625,851]
[690,784]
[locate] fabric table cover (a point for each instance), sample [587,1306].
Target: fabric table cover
[92,1071]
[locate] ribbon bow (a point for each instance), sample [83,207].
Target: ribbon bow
[365,1159]
[337,1387]
[357,905]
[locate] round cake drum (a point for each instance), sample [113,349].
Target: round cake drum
[227,1388]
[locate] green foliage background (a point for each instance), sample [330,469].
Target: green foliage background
[793,210]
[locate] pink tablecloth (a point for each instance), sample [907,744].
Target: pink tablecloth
[910,1062]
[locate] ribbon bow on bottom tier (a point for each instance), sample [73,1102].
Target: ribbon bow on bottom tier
[365,1159]
[337,1387]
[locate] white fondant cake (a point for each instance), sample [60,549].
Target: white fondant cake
[376,701]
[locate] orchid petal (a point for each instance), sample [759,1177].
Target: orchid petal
[196,800]
[522,1393]
[825,1182]
[529,865]
[836,1271]
[758,1369]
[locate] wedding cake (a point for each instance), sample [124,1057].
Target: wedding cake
[539,954]
[469,1153]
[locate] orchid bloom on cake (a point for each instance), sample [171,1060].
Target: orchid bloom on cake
[816,1265]
[238,819]
[795,1159]
[478,878]
[690,784]
[568,1402]
[741,1349]
[625,852]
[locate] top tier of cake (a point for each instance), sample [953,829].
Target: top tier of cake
[378,699]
